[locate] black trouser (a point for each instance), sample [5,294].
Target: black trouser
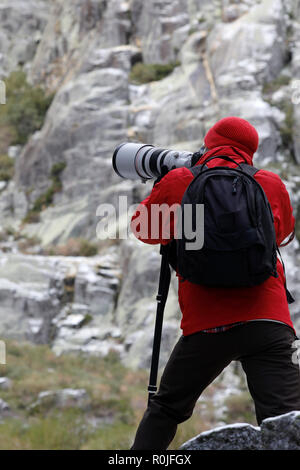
[265,351]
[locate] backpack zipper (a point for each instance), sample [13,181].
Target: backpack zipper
[234,184]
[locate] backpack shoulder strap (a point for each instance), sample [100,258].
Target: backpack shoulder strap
[249,169]
[195,170]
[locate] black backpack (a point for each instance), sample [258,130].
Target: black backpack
[239,248]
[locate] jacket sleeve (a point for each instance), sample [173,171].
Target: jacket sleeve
[284,218]
[279,199]
[153,221]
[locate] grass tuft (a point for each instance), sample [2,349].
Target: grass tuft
[144,73]
[117,399]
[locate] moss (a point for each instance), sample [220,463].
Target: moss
[6,168]
[276,84]
[145,73]
[57,169]
[25,107]
[87,319]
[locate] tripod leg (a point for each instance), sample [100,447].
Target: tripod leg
[163,289]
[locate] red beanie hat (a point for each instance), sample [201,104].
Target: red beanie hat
[233,131]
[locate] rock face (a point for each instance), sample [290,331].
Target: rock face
[22,25]
[96,107]
[83,51]
[82,305]
[279,433]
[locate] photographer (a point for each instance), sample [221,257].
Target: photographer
[219,325]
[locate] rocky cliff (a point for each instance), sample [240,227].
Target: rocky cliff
[83,51]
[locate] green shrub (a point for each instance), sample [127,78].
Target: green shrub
[240,408]
[287,128]
[87,248]
[73,247]
[56,171]
[25,107]
[87,319]
[145,73]
[274,85]
[6,168]
[46,199]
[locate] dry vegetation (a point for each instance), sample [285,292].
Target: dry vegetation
[117,400]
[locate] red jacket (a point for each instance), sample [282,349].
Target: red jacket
[206,307]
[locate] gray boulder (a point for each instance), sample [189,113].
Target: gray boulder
[278,433]
[240,436]
[5,410]
[5,383]
[281,432]
[65,398]
[4,407]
